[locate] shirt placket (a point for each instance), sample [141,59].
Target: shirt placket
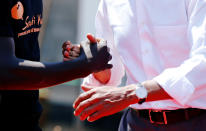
[146,41]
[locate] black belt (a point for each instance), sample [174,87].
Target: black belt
[168,116]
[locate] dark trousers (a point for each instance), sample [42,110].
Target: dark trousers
[19,122]
[130,122]
[19,111]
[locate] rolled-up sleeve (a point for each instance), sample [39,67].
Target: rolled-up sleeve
[187,83]
[103,30]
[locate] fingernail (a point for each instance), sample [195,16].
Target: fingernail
[91,38]
[68,48]
[66,54]
[75,113]
[81,118]
[89,119]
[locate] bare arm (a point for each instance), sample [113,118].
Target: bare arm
[96,103]
[155,91]
[19,74]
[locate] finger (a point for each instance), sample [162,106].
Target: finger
[72,58]
[97,115]
[86,48]
[87,88]
[66,59]
[91,38]
[90,110]
[84,104]
[103,42]
[69,47]
[76,49]
[109,66]
[110,57]
[64,51]
[73,54]
[66,54]
[65,44]
[108,49]
[102,45]
[98,40]
[81,98]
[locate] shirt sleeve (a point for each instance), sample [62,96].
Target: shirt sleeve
[103,30]
[5,22]
[187,83]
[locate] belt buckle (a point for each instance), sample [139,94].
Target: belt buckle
[163,115]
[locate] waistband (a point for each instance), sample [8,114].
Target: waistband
[168,116]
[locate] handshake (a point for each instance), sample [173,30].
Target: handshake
[93,54]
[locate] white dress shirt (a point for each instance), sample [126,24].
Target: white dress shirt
[164,40]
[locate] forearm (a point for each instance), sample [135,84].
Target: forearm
[155,92]
[19,74]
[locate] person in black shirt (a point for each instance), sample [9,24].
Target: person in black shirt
[21,73]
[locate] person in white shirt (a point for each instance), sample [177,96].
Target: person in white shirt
[161,46]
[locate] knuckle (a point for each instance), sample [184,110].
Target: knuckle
[82,42]
[107,101]
[93,118]
[94,91]
[81,106]
[71,53]
[81,96]
[65,43]
[95,98]
[85,113]
[89,101]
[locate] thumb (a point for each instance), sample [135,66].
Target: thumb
[86,88]
[91,38]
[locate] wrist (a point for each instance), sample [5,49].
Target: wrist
[136,93]
[141,93]
[80,64]
[131,95]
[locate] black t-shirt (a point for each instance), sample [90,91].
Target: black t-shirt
[21,19]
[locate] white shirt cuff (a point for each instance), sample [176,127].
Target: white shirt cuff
[177,86]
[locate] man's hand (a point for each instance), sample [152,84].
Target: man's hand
[90,49]
[96,103]
[95,56]
[71,51]
[102,76]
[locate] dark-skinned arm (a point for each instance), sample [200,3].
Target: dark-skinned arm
[20,74]
[71,51]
